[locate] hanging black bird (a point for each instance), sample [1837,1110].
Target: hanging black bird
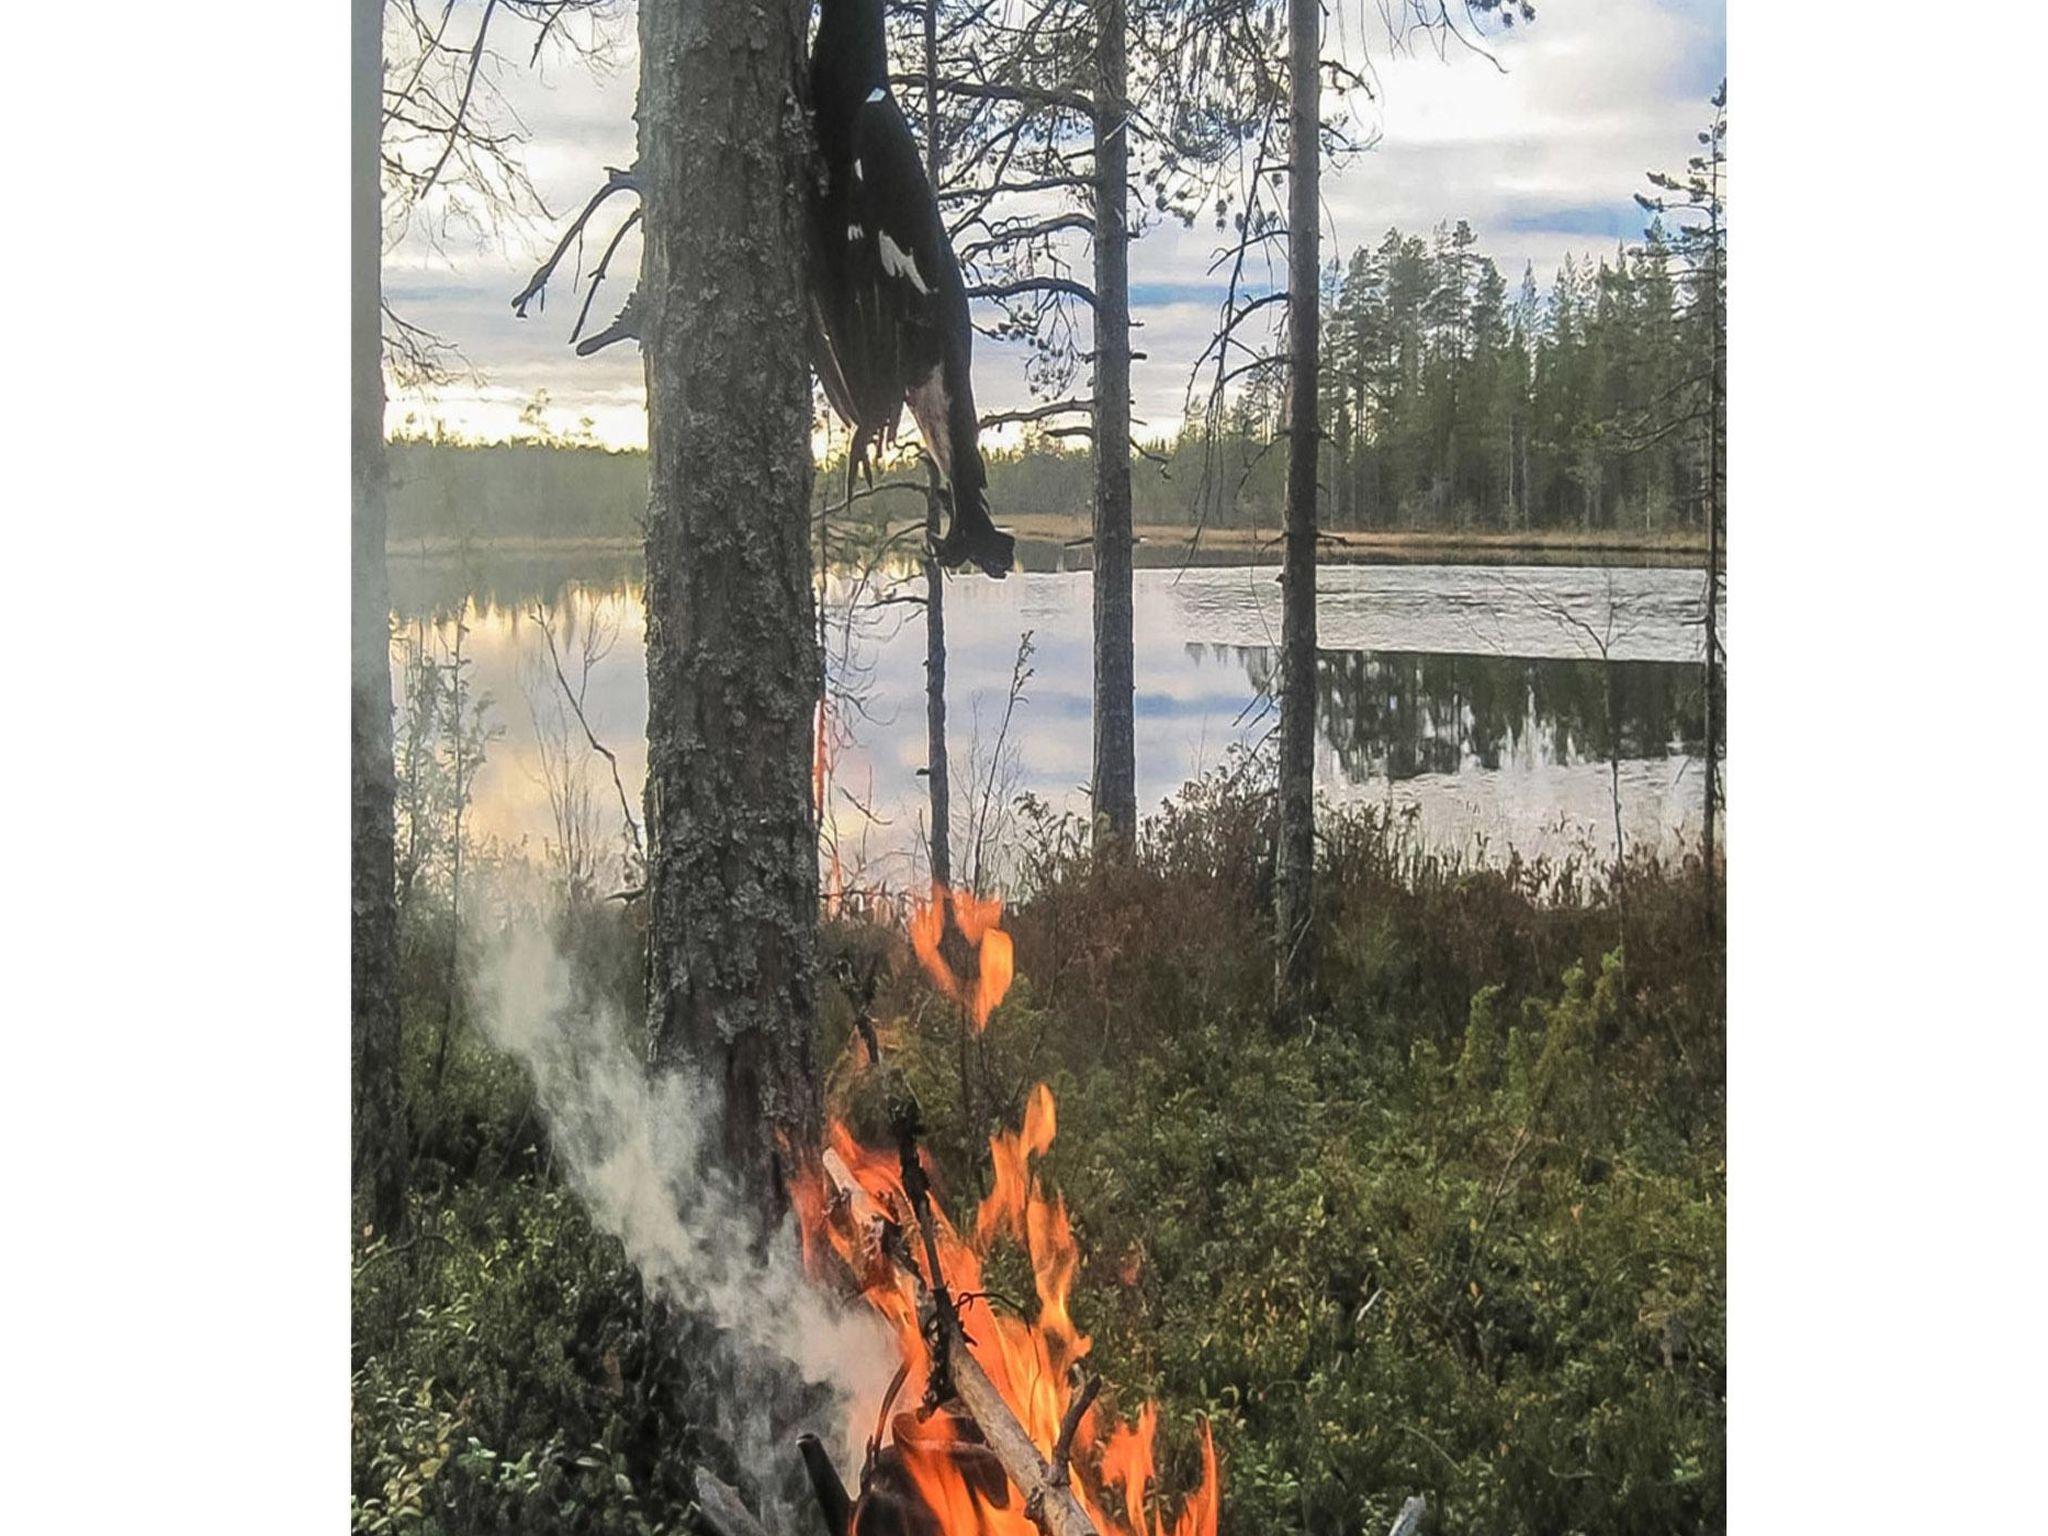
[889,307]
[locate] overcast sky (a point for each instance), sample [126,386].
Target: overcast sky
[1542,156]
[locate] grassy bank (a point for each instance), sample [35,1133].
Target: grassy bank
[1460,1234]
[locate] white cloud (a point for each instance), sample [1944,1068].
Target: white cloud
[1541,159]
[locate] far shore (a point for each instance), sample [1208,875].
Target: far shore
[1066,537]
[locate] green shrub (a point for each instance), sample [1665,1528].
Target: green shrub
[1460,1234]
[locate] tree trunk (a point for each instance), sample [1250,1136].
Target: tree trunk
[1718,394]
[1294,885]
[938,774]
[379,1129]
[1115,768]
[939,781]
[733,669]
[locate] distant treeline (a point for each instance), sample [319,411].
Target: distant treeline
[1446,402]
[443,488]
[1449,403]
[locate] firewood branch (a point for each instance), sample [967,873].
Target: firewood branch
[1053,1505]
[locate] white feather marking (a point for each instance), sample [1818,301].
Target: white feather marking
[857,176]
[898,262]
[930,408]
[876,94]
[853,232]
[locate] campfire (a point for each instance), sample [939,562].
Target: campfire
[991,1426]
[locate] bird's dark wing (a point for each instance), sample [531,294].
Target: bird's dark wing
[900,263]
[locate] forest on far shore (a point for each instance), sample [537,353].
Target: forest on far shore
[1449,404]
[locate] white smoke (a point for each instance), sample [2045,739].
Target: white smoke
[637,1150]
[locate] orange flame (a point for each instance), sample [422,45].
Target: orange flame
[959,1481]
[978,918]
[1028,1362]
[1127,1459]
[1009,1153]
[859,1192]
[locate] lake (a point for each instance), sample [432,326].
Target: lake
[1475,699]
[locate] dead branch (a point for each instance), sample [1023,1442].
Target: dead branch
[1051,1505]
[1037,413]
[540,617]
[826,1485]
[616,180]
[1009,234]
[1042,184]
[625,326]
[1028,95]
[461,112]
[603,266]
[1012,289]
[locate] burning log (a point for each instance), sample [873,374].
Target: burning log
[1048,1500]
[1051,1504]
[1005,1440]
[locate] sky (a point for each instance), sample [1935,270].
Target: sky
[1541,153]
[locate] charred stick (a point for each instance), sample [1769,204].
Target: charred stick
[1086,1386]
[944,1323]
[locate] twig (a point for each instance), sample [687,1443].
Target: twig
[1077,1408]
[540,617]
[455,119]
[604,263]
[616,180]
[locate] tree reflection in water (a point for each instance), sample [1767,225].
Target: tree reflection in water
[1398,714]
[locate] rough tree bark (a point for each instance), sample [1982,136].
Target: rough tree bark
[1294,884]
[379,1152]
[1115,766]
[733,669]
[938,772]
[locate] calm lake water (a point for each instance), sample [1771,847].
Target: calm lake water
[1474,697]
